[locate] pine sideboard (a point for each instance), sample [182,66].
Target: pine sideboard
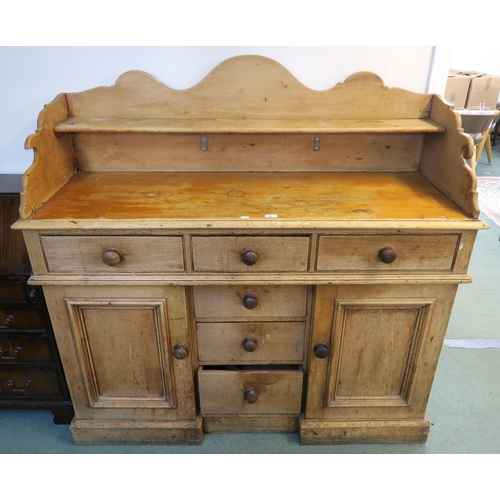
[249,254]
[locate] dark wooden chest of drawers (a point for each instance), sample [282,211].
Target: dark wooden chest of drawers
[31,375]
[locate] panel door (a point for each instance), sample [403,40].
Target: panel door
[117,345]
[381,346]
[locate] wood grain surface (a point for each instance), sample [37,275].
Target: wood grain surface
[213,196]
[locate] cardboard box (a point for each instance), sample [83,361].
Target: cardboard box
[483,88]
[468,89]
[457,88]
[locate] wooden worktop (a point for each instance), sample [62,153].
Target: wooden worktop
[278,198]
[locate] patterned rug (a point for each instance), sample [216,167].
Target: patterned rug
[489,197]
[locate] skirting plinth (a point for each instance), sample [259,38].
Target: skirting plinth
[137,432]
[382,431]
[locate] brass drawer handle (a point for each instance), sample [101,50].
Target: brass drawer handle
[180,351]
[17,352]
[250,301]
[112,256]
[250,397]
[387,255]
[249,257]
[321,350]
[9,319]
[12,385]
[250,344]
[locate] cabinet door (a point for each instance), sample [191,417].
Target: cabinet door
[117,345]
[381,346]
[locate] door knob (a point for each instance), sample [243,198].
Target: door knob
[321,350]
[180,351]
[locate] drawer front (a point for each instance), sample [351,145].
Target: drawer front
[20,318]
[247,302]
[24,349]
[28,383]
[366,253]
[123,254]
[18,292]
[250,254]
[266,342]
[244,392]
[12,292]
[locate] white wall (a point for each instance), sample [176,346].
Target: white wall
[32,76]
[476,58]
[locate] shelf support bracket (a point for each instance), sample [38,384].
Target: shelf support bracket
[317,142]
[203,142]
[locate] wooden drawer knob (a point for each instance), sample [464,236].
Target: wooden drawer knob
[250,344]
[112,257]
[249,257]
[387,255]
[250,301]
[180,351]
[321,350]
[250,397]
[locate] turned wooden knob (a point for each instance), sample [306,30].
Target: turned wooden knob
[250,344]
[387,255]
[250,301]
[180,351]
[321,350]
[112,257]
[249,257]
[250,397]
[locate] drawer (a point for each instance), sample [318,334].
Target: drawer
[243,392]
[12,292]
[113,254]
[18,292]
[250,254]
[20,318]
[20,383]
[366,253]
[24,349]
[246,302]
[265,342]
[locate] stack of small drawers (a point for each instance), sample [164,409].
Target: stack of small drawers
[31,375]
[26,362]
[251,344]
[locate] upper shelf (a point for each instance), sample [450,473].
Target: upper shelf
[243,125]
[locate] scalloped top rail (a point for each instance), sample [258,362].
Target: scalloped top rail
[254,126]
[249,87]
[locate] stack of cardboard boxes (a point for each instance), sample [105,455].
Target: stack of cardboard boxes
[472,90]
